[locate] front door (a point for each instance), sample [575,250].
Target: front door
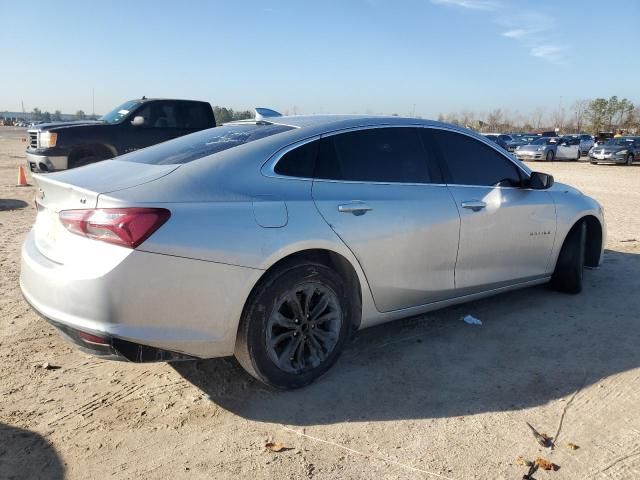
[506,232]
[374,187]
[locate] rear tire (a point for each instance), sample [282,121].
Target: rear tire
[569,270]
[550,156]
[294,325]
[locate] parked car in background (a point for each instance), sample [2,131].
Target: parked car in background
[518,140]
[620,150]
[269,240]
[133,125]
[550,149]
[602,138]
[586,141]
[498,139]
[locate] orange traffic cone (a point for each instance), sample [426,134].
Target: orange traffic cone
[22,177]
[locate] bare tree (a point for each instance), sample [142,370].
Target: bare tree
[579,110]
[536,117]
[494,119]
[558,117]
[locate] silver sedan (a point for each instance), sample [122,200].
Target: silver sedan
[274,240]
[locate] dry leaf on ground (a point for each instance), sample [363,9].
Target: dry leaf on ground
[276,447]
[525,463]
[573,446]
[542,438]
[545,464]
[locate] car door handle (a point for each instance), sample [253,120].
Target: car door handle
[357,208]
[475,205]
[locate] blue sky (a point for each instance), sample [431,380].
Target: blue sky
[368,56]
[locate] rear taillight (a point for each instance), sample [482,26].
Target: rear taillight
[128,227]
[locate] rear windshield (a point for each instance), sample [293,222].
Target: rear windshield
[201,144]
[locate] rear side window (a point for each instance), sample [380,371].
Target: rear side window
[201,144]
[195,115]
[391,154]
[468,161]
[299,162]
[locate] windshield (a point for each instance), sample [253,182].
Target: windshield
[201,144]
[543,141]
[619,141]
[116,115]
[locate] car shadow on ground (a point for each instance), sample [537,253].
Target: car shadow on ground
[25,454]
[535,345]
[12,204]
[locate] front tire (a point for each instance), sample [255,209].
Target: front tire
[630,159]
[550,156]
[569,270]
[294,325]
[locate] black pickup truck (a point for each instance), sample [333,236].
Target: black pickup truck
[133,125]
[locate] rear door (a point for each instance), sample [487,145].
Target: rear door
[160,124]
[506,232]
[379,189]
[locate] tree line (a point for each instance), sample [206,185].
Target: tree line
[584,115]
[222,114]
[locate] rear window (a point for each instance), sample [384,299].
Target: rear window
[201,144]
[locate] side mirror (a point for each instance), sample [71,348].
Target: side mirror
[137,121]
[540,181]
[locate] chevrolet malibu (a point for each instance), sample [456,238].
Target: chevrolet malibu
[274,240]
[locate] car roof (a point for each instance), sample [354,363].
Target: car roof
[309,125]
[144,100]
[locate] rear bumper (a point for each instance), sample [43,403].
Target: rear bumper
[113,348]
[145,304]
[43,163]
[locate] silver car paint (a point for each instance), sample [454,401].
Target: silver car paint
[566,152]
[232,218]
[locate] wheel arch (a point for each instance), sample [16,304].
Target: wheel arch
[593,247]
[323,256]
[594,239]
[93,149]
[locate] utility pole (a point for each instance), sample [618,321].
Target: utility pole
[93,103]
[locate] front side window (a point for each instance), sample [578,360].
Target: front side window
[389,154]
[201,144]
[468,161]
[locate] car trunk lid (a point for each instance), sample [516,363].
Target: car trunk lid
[80,189]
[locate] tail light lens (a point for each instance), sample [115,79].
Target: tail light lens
[128,227]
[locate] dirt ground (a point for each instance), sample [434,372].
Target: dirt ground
[428,397]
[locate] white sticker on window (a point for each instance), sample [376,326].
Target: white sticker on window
[123,112]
